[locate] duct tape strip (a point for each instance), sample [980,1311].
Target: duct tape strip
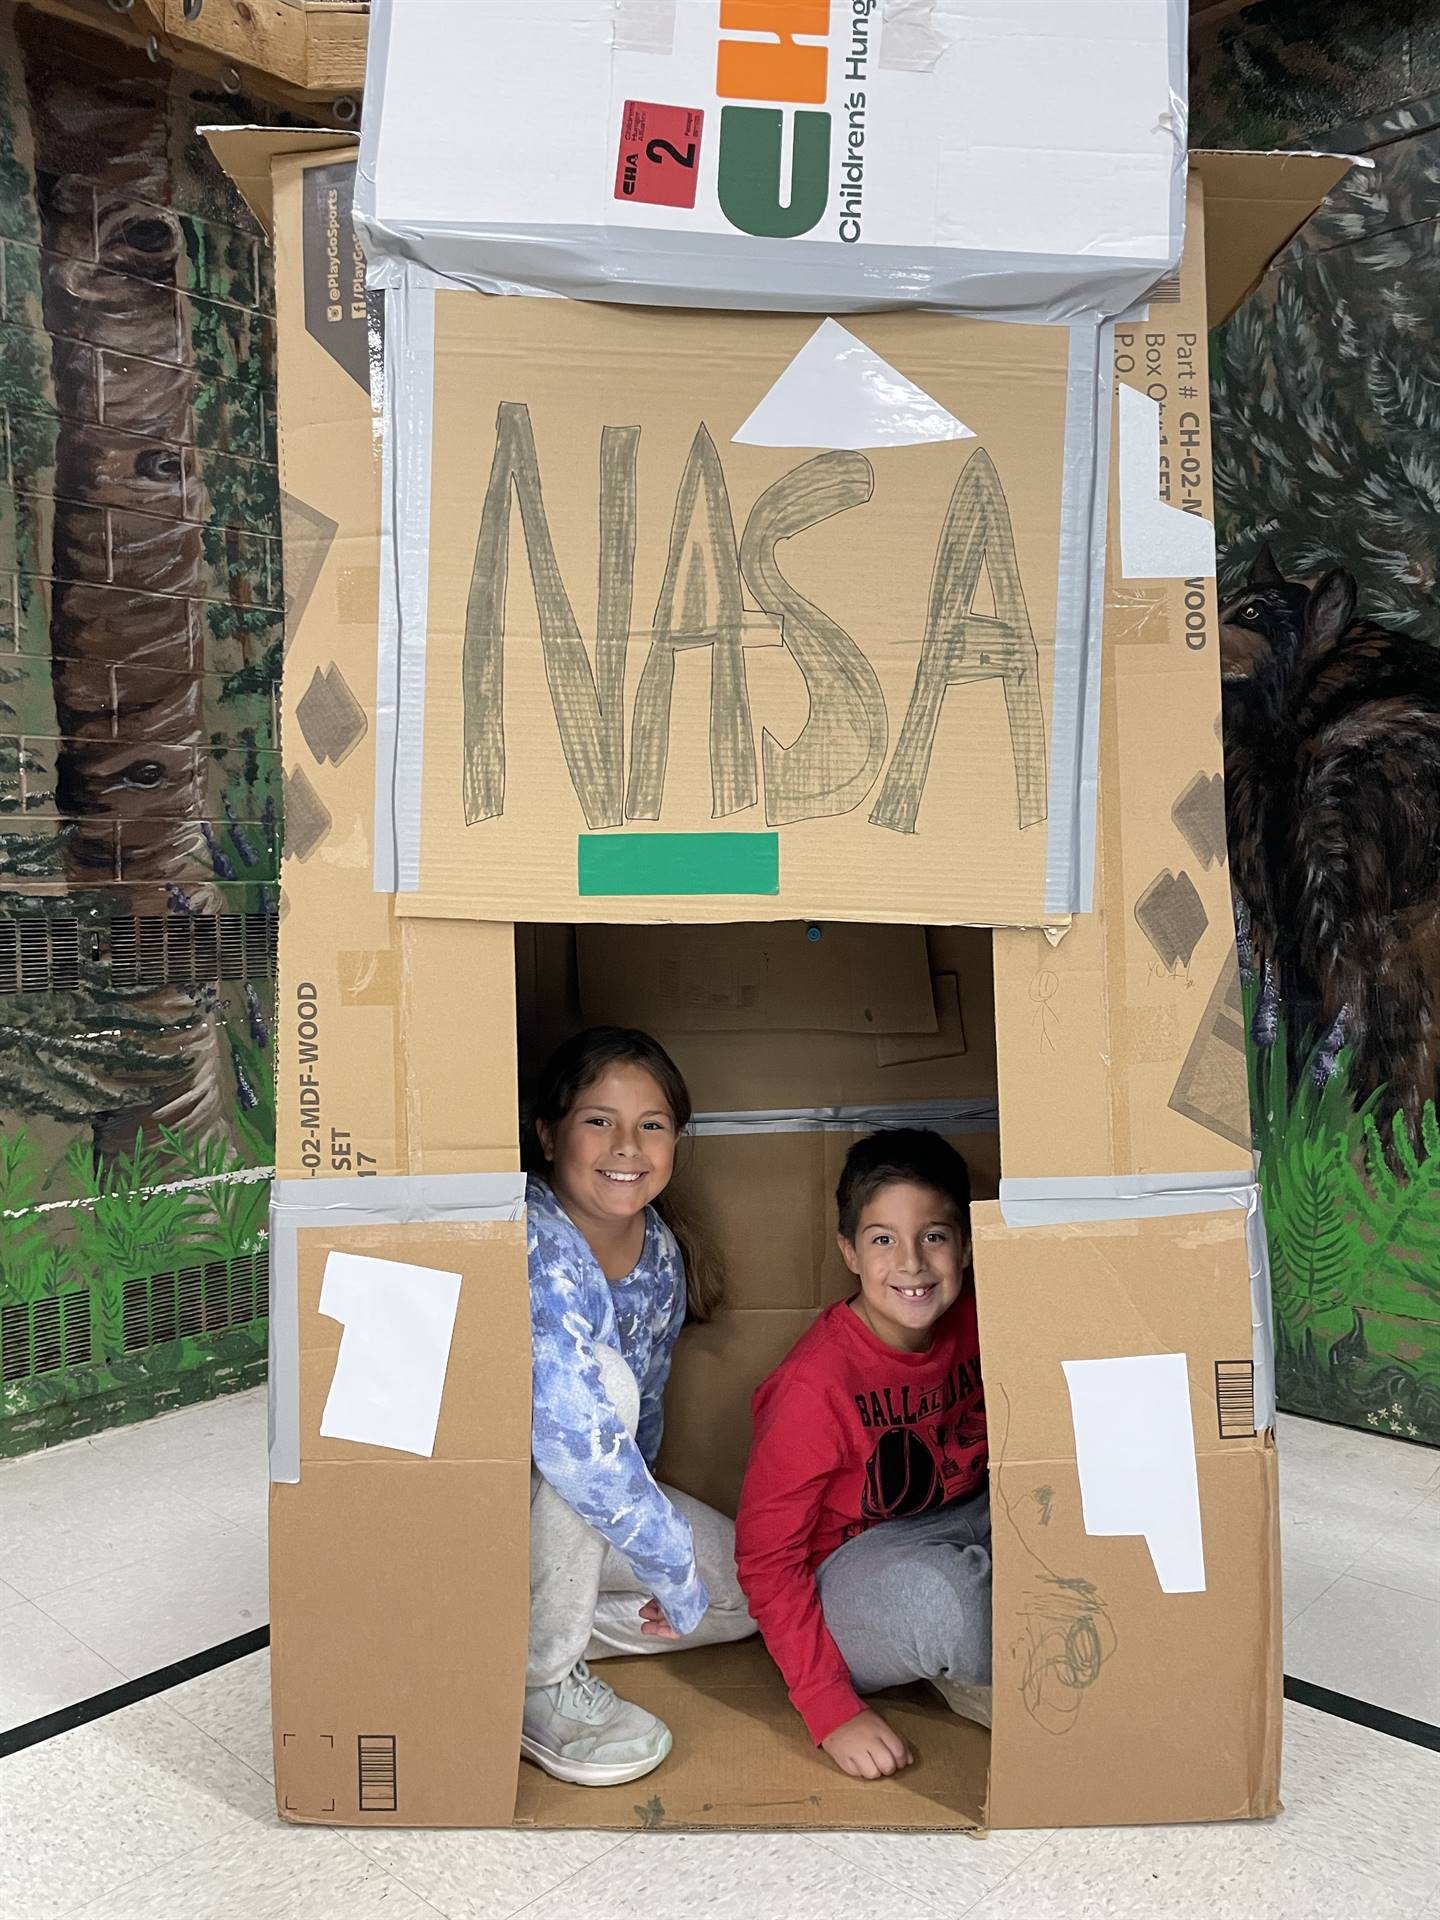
[910,40]
[950,1116]
[1178,125]
[405,578]
[393,1200]
[1123,1196]
[643,26]
[387,636]
[1159,1196]
[1262,1312]
[1079,615]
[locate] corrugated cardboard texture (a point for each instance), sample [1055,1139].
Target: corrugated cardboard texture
[742,1758]
[883,796]
[798,1068]
[399,1585]
[395,1052]
[1257,203]
[1119,1051]
[785,977]
[1116,1702]
[765,1203]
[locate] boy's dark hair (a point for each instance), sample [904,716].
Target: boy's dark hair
[908,1156]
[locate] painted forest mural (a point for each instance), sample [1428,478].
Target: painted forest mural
[140,591]
[1326,394]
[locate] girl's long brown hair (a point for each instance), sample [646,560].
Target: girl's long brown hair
[577,1064]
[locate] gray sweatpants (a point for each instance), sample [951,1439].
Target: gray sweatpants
[909,1599]
[584,1599]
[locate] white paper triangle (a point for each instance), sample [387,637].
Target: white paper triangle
[837,393]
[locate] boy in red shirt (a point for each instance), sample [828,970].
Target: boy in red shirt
[863,1537]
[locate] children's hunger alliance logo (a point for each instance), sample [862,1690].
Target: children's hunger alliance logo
[777,139]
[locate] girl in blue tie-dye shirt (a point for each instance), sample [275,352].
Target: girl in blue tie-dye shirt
[618,1563]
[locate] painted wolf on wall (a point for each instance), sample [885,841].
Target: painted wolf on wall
[1332,774]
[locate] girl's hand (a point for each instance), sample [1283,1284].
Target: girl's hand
[655,1623]
[867,1747]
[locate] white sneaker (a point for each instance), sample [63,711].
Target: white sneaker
[579,1731]
[971,1703]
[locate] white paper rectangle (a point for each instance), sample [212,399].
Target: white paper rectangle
[1135,1449]
[390,1371]
[1157,541]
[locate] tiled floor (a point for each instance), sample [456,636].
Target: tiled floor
[123,1554]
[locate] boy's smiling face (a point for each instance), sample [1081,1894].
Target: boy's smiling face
[910,1255]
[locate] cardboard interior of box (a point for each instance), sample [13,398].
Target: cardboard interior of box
[763,1200]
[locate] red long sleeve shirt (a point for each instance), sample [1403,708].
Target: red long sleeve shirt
[849,1433]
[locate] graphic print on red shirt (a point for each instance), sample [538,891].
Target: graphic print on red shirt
[849,1433]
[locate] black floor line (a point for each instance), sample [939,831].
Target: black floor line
[1304,1693]
[1399,1726]
[15,1739]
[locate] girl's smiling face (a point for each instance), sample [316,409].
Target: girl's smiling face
[614,1151]
[910,1255]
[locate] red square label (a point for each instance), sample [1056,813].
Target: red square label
[659,154]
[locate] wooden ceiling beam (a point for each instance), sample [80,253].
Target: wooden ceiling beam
[308,58]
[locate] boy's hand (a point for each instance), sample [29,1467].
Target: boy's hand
[653,1622]
[867,1747]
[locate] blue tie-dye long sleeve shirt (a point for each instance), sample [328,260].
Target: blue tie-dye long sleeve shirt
[578,1441]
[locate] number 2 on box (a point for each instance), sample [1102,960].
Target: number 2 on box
[659,160]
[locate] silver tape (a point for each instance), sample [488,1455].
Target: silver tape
[1122,1196]
[392,1200]
[910,41]
[1079,616]
[1262,1314]
[409,383]
[950,1116]
[642,26]
[943,1116]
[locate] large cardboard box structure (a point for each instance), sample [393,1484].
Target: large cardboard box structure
[1096,1069]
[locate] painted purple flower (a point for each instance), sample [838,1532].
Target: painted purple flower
[219,859]
[244,1092]
[259,1031]
[244,845]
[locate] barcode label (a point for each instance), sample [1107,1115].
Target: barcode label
[377,1773]
[1166,292]
[1235,1398]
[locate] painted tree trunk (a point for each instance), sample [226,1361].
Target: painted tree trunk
[126,642]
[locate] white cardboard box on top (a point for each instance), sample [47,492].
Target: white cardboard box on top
[1015,157]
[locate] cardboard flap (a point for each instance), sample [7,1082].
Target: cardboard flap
[246,154]
[383,1558]
[1098,1289]
[1255,204]
[490,1336]
[784,977]
[1136,1608]
[804,727]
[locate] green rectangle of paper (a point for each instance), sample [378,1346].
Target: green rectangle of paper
[678,863]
